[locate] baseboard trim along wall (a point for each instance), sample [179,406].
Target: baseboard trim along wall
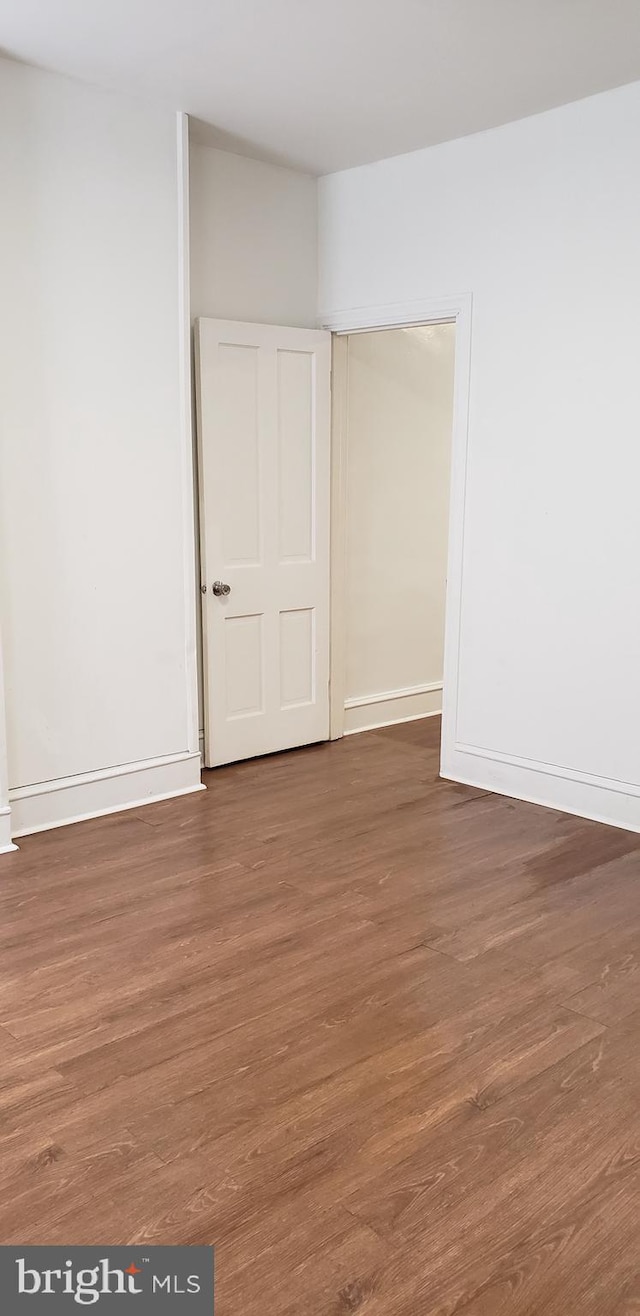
[128,786]
[366,712]
[568,790]
[6,843]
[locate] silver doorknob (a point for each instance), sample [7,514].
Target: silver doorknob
[220,589]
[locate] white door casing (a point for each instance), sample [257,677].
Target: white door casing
[264,467]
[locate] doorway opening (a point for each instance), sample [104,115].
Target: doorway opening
[396,416]
[400,402]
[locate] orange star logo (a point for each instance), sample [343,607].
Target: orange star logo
[132,1269]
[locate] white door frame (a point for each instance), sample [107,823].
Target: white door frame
[436,310]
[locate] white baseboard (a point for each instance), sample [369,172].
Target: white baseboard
[6,844]
[128,786]
[368,712]
[602,799]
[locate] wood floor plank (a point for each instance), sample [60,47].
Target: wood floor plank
[373,1033]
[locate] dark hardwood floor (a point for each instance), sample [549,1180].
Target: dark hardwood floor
[375,1035]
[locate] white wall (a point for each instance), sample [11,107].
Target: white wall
[398,435]
[253,240]
[539,221]
[95,543]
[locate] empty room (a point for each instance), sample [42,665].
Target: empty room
[319,653]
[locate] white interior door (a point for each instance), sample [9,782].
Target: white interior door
[264,451]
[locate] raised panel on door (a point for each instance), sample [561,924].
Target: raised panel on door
[296,456]
[243,666]
[239,510]
[264,451]
[297,657]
